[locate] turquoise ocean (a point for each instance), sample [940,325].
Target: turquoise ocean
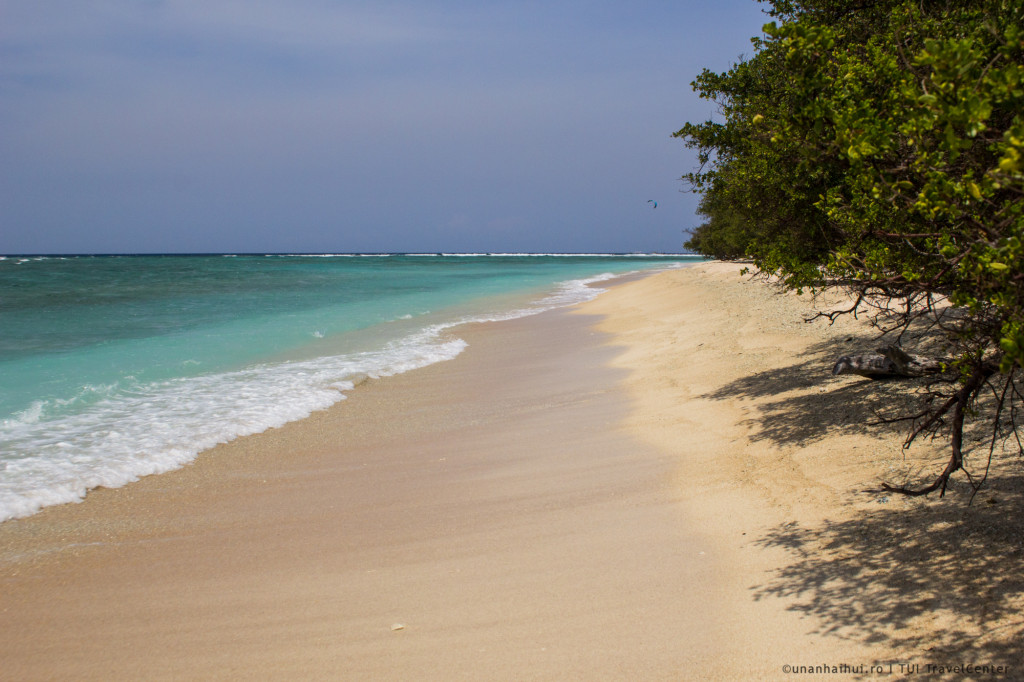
[116,367]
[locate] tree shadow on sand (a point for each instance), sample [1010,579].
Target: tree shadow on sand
[939,579]
[941,582]
[807,403]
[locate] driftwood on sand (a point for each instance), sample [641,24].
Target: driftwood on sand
[891,361]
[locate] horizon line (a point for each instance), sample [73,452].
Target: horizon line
[379,254]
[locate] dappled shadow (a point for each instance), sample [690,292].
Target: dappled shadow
[807,403]
[941,582]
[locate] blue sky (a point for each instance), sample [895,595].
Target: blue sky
[131,126]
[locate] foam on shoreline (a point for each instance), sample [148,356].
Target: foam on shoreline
[112,434]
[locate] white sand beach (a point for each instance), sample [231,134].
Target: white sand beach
[664,483]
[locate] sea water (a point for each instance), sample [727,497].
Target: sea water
[115,367]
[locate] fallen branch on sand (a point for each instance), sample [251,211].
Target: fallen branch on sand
[891,361]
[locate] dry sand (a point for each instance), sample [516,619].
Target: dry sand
[729,379]
[664,484]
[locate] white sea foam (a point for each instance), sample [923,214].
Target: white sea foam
[55,451]
[30,415]
[157,427]
[478,254]
[576,255]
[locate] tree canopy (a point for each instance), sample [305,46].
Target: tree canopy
[878,145]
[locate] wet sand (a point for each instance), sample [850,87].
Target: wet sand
[487,505]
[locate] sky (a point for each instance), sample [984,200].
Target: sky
[207,126]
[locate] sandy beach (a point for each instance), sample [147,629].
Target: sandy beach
[664,483]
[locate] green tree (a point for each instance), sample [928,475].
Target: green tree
[879,146]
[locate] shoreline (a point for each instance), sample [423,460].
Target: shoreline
[485,503]
[190,400]
[586,493]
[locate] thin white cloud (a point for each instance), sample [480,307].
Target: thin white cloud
[305,24]
[114,44]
